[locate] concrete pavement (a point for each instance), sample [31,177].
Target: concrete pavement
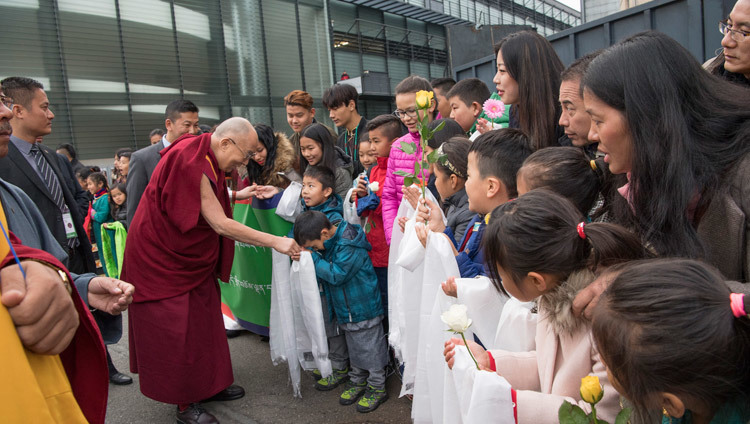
[269,395]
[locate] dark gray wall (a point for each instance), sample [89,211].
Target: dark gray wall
[693,23]
[472,52]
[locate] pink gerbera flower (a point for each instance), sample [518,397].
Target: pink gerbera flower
[493,108]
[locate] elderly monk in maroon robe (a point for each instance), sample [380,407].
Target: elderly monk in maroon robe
[180,241]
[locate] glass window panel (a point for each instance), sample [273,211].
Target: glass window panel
[96,78]
[150,51]
[201,56]
[347,61]
[315,48]
[37,57]
[374,63]
[243,36]
[281,36]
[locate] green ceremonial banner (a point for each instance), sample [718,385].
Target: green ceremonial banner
[246,297]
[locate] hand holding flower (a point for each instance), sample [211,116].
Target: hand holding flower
[481,355]
[483,126]
[458,322]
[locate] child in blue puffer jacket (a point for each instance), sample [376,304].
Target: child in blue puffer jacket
[351,286]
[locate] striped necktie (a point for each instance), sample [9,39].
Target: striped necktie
[52,183]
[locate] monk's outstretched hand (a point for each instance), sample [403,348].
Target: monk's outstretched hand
[287,246]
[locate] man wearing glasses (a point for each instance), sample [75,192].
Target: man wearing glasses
[179,243]
[733,63]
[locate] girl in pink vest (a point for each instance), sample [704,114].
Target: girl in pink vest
[406,95]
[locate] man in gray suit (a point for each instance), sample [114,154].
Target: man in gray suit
[181,119]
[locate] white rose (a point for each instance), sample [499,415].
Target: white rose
[456,318]
[374,186]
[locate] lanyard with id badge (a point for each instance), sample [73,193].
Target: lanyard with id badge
[70,228]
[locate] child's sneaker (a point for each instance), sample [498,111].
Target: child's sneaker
[333,380]
[372,399]
[316,374]
[352,393]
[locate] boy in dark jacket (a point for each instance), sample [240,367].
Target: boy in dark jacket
[317,193]
[343,267]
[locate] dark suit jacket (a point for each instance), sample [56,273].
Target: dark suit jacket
[142,165]
[16,170]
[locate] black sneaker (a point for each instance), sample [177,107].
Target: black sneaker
[195,414]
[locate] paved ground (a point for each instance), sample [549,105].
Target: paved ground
[268,399]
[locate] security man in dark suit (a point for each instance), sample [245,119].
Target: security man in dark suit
[45,176]
[181,118]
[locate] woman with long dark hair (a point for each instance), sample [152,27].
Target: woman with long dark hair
[682,136]
[528,79]
[275,163]
[318,147]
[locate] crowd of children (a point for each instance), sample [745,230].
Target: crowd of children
[547,200]
[535,218]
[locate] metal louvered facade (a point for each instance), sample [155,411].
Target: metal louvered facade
[110,66]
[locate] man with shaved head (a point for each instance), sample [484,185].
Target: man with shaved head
[180,241]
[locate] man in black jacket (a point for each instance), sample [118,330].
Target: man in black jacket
[341,101]
[45,176]
[181,117]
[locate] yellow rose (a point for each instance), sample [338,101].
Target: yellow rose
[424,99]
[591,390]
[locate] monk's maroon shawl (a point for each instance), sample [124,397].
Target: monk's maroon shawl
[171,248]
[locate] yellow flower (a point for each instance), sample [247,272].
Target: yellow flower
[424,99]
[591,390]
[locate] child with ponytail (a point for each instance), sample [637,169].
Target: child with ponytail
[676,341]
[567,171]
[539,247]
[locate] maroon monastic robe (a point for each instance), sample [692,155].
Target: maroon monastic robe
[173,258]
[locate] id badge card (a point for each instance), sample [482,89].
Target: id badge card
[70,228]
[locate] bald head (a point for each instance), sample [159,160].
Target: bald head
[235,128]
[234,143]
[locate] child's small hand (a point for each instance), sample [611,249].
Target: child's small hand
[481,356]
[266,192]
[423,214]
[361,190]
[402,223]
[411,194]
[449,287]
[483,126]
[435,222]
[422,233]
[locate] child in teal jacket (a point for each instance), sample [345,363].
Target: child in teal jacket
[97,186]
[343,266]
